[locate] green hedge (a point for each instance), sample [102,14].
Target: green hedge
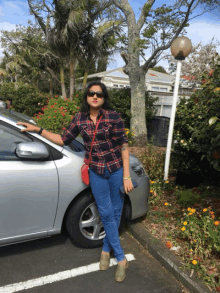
[25,98]
[198,143]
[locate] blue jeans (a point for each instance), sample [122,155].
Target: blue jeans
[109,200]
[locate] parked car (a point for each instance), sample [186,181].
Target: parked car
[42,191]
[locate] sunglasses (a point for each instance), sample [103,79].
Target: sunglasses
[98,94]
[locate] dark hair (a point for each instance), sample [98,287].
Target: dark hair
[106,106]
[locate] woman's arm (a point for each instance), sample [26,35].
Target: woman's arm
[128,186]
[53,137]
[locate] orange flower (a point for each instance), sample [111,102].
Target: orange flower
[189,209]
[193,210]
[183,228]
[205,210]
[169,244]
[211,213]
[194,262]
[166,204]
[151,191]
[212,216]
[216,223]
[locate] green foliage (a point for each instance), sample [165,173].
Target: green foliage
[187,197]
[25,98]
[201,230]
[121,102]
[159,69]
[198,141]
[57,114]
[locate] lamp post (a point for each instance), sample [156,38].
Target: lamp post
[180,49]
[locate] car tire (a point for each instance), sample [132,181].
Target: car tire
[83,223]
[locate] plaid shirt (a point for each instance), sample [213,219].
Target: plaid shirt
[109,136]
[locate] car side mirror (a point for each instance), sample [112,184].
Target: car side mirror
[31,150]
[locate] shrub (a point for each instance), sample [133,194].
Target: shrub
[187,198]
[197,148]
[153,160]
[201,228]
[121,102]
[57,115]
[25,98]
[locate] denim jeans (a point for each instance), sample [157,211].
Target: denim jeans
[109,200]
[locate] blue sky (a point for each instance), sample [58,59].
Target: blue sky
[201,29]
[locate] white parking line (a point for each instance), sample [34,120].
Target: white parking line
[58,276]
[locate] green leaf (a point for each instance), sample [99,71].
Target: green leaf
[212,120]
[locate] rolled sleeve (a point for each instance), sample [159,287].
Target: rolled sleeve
[120,131]
[72,131]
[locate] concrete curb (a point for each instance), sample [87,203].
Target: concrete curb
[167,258]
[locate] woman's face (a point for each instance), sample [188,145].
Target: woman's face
[95,97]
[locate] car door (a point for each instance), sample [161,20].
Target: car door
[28,188]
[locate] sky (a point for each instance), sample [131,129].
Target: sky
[201,29]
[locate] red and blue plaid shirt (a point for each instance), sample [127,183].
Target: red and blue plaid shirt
[109,137]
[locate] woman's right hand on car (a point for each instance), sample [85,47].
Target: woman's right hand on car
[29,127]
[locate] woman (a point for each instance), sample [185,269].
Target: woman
[109,168]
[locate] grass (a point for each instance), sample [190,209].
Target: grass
[185,220]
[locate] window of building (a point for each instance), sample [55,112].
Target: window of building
[159,89]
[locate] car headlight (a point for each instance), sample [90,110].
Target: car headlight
[137,166]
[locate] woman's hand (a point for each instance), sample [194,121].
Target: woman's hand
[128,186]
[29,127]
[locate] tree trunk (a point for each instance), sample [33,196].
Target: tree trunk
[85,79]
[72,74]
[63,88]
[51,86]
[137,84]
[138,116]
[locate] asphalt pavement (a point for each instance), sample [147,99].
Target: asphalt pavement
[47,265]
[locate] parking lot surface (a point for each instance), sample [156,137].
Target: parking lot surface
[54,265]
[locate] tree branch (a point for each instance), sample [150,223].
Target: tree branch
[144,13]
[145,67]
[39,19]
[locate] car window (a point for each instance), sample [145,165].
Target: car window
[9,138]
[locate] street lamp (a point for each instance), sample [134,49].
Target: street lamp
[180,49]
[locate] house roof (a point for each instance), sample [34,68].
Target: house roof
[119,73]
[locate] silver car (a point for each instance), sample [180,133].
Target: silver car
[42,192]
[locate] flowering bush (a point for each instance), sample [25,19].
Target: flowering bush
[201,231]
[57,115]
[197,140]
[201,228]
[130,136]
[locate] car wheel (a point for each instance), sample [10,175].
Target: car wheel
[83,223]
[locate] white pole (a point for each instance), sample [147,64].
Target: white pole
[172,118]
